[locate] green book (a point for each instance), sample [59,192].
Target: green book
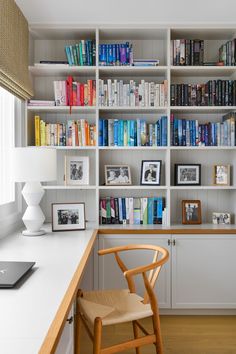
[108,210]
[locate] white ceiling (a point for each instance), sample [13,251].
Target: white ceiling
[128,11]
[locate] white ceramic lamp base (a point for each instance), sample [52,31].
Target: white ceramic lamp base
[33,217]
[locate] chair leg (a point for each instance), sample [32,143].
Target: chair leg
[157,331]
[135,329]
[97,335]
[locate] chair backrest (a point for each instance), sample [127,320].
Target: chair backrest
[160,257]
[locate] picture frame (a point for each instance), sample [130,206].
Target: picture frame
[191,212]
[221,218]
[76,170]
[68,216]
[117,175]
[187,174]
[151,172]
[221,175]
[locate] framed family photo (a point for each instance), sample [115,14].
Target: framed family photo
[76,170]
[221,175]
[221,218]
[191,212]
[187,174]
[68,216]
[151,172]
[117,175]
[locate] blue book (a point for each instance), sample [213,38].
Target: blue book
[194,132]
[155,204]
[175,127]
[100,53]
[150,211]
[132,130]
[191,132]
[113,54]
[184,132]
[121,133]
[159,210]
[116,128]
[135,133]
[103,55]
[123,210]
[187,133]
[128,131]
[100,134]
[180,131]
[109,55]
[127,52]
[105,132]
[120,211]
[158,124]
[138,135]
[117,54]
[164,131]
[206,134]
[67,49]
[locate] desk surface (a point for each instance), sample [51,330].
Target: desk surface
[27,312]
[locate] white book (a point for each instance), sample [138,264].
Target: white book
[115,93]
[162,95]
[60,93]
[131,211]
[109,89]
[105,99]
[127,210]
[146,94]
[121,93]
[157,95]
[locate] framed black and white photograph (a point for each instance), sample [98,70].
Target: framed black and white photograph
[221,175]
[191,212]
[187,174]
[151,172]
[76,170]
[221,218]
[117,175]
[68,216]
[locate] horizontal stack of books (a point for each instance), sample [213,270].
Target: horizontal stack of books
[133,94]
[82,53]
[72,133]
[187,52]
[227,53]
[191,133]
[213,93]
[146,62]
[117,132]
[41,103]
[71,93]
[133,211]
[115,54]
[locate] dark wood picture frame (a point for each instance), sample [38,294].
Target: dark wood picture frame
[186,220]
[176,174]
[159,176]
[56,229]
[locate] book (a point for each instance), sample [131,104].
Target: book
[37,130]
[187,52]
[82,53]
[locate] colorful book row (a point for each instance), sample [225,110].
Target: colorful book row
[227,53]
[132,211]
[144,94]
[117,132]
[72,133]
[191,133]
[71,93]
[187,52]
[82,53]
[212,93]
[116,54]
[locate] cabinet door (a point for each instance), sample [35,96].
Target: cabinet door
[66,343]
[110,275]
[203,271]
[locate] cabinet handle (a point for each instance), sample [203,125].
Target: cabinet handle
[174,242]
[70,320]
[169,242]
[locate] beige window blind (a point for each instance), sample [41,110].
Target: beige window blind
[14,37]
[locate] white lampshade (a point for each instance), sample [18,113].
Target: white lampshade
[32,164]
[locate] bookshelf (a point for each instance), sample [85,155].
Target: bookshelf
[47,43]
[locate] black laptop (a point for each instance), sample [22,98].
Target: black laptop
[12,272]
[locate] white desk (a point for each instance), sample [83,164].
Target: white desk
[27,312]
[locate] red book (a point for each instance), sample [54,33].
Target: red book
[78,94]
[82,94]
[94,93]
[70,90]
[90,92]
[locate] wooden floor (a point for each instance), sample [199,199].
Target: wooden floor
[181,335]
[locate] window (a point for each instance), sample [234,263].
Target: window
[7,141]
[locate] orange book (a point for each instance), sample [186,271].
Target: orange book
[86,133]
[90,92]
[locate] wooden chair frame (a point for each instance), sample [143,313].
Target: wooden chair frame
[149,297]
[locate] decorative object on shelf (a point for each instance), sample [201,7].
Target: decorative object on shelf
[34,165]
[117,175]
[151,172]
[221,218]
[76,170]
[68,216]
[191,212]
[187,174]
[221,175]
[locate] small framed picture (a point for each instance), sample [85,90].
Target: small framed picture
[221,218]
[187,175]
[151,172]
[221,175]
[117,175]
[191,212]
[76,170]
[68,216]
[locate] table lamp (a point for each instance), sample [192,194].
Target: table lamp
[34,165]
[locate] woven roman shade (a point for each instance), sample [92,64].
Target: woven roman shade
[14,38]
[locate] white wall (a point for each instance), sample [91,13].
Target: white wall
[128,11]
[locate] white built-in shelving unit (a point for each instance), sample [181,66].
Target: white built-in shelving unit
[48,42]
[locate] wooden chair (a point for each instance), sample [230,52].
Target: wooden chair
[106,307]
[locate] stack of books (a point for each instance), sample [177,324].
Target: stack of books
[117,132]
[227,53]
[72,133]
[82,53]
[212,93]
[115,54]
[41,103]
[146,62]
[186,132]
[132,211]
[71,93]
[187,52]
[133,94]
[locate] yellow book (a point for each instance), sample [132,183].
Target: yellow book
[42,133]
[37,130]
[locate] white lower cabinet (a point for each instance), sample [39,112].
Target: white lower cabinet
[203,271]
[110,275]
[66,343]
